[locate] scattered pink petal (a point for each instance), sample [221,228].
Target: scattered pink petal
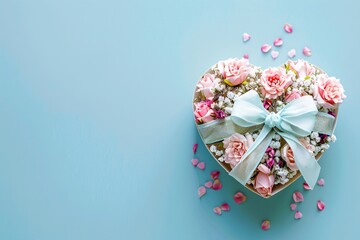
[246,56]
[201,191]
[217,184]
[288,28]
[298,197]
[215,174]
[246,37]
[217,210]
[298,215]
[320,205]
[265,225]
[321,182]
[265,48]
[307,51]
[208,184]
[293,206]
[292,53]
[239,197]
[274,54]
[278,42]
[225,207]
[194,161]
[195,147]
[306,186]
[201,165]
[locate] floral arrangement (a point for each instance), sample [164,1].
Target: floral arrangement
[218,89]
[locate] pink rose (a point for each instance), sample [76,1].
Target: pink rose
[235,147]
[274,82]
[328,91]
[292,96]
[301,68]
[288,155]
[203,113]
[264,181]
[205,86]
[234,71]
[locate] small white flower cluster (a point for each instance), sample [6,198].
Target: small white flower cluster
[283,174]
[218,153]
[316,145]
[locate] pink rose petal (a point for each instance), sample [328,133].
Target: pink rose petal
[195,148]
[320,205]
[278,42]
[265,48]
[265,225]
[288,28]
[274,54]
[298,197]
[201,165]
[292,53]
[246,37]
[208,184]
[217,210]
[321,182]
[293,206]
[298,215]
[246,56]
[215,174]
[194,161]
[306,186]
[306,51]
[201,191]
[225,207]
[239,197]
[217,184]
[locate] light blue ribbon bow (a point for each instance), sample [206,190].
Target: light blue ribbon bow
[296,119]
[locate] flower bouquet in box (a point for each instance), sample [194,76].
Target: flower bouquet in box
[267,127]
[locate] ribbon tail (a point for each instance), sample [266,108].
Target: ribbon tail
[243,171]
[306,163]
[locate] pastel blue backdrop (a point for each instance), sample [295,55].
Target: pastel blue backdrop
[96,124]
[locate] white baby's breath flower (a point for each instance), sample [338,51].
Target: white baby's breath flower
[325,146]
[277,153]
[314,135]
[230,95]
[221,159]
[307,83]
[228,110]
[221,99]
[227,100]
[276,145]
[213,148]
[333,138]
[219,153]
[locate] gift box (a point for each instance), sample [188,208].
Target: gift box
[267,128]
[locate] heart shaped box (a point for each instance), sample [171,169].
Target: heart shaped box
[225,82]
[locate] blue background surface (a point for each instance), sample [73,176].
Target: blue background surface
[96,124]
